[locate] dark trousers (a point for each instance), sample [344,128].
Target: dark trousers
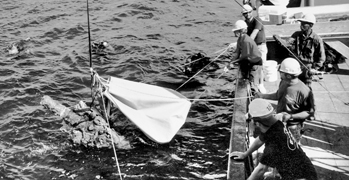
[306,77]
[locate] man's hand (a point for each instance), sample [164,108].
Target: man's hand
[238,156]
[286,117]
[258,95]
[246,1]
[316,72]
[232,46]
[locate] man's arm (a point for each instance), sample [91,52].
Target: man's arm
[309,110]
[271,96]
[258,172]
[321,56]
[254,33]
[242,155]
[296,117]
[236,56]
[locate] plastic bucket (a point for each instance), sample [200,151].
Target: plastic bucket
[270,71]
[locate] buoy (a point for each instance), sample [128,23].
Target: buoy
[270,71]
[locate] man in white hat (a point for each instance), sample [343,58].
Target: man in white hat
[309,48]
[295,99]
[248,55]
[255,29]
[281,151]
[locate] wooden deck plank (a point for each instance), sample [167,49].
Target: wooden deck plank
[323,102]
[336,119]
[339,99]
[330,83]
[339,47]
[343,66]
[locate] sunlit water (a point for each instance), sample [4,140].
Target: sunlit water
[151,39]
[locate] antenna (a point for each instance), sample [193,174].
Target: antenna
[89,34]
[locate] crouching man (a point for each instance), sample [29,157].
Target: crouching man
[281,150]
[248,56]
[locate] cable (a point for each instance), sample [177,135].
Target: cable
[89,34]
[202,69]
[224,49]
[109,129]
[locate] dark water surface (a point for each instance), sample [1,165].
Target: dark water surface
[151,38]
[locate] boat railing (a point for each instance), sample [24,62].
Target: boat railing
[241,131]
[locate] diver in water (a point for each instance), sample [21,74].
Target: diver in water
[18,48]
[101,47]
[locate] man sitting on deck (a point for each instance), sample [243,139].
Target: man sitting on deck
[295,99]
[309,48]
[281,151]
[248,55]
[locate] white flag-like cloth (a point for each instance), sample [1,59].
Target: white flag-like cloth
[159,112]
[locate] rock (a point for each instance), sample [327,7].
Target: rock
[94,133]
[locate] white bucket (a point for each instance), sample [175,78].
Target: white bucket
[270,71]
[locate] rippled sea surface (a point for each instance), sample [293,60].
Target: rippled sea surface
[151,39]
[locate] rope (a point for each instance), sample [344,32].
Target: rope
[290,140]
[227,99]
[206,89]
[202,69]
[109,130]
[224,49]
[89,34]
[346,103]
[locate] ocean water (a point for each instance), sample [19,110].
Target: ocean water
[151,39]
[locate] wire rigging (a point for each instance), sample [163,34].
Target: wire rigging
[224,50]
[100,91]
[89,34]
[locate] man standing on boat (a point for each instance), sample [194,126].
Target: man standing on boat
[255,30]
[248,55]
[281,151]
[309,48]
[295,99]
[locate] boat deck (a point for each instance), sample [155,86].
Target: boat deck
[326,139]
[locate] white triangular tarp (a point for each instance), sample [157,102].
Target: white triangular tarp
[158,112]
